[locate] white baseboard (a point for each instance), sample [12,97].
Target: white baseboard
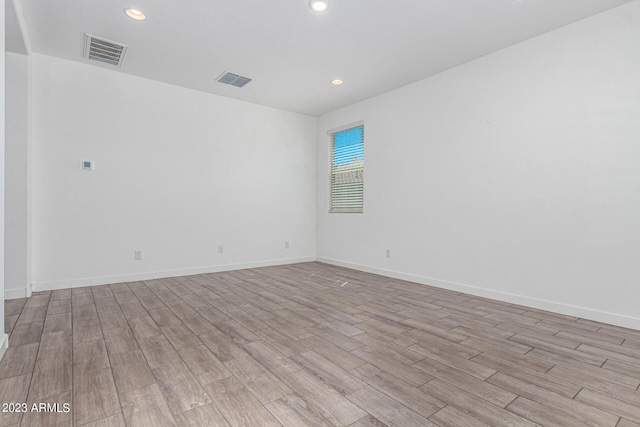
[570,310]
[15,293]
[4,344]
[119,278]
[541,304]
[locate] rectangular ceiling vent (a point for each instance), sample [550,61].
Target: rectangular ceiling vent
[233,79]
[104,50]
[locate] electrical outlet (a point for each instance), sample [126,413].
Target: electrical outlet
[137,255]
[286,245]
[388,253]
[220,249]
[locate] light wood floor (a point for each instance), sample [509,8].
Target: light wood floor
[310,344]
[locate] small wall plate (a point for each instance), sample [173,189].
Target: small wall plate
[87,165]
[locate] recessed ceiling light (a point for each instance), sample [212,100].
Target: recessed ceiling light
[318,5]
[135,14]
[336,82]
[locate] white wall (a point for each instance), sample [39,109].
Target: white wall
[16,273]
[178,172]
[4,339]
[515,176]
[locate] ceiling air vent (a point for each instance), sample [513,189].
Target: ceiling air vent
[104,50]
[233,79]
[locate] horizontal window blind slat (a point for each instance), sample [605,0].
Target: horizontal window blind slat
[350,189]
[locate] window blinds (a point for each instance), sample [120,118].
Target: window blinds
[347,170]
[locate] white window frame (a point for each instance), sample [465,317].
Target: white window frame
[331,133]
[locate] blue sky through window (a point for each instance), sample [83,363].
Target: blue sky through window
[351,141]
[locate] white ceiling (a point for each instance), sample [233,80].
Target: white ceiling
[292,53]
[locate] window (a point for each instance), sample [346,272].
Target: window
[347,169]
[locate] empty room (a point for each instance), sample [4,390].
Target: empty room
[320,213]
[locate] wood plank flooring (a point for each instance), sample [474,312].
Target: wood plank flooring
[310,344]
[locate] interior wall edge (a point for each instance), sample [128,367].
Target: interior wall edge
[4,344]
[120,278]
[22,25]
[537,303]
[16,293]
[4,341]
